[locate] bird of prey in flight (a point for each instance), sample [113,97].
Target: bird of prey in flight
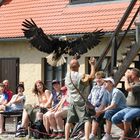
[57,47]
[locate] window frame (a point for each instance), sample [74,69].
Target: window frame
[50,73]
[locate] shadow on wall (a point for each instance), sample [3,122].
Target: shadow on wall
[4,2]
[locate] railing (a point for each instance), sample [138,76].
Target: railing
[115,34]
[122,38]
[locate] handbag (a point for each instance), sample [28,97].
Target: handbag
[43,110]
[90,108]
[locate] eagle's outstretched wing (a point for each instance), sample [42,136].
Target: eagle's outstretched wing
[86,42]
[56,47]
[37,37]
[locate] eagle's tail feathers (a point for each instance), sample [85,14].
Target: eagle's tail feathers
[58,62]
[61,61]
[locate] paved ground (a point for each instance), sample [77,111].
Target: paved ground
[11,123]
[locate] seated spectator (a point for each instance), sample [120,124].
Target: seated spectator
[95,97]
[123,118]
[3,102]
[112,102]
[61,114]
[31,113]
[49,117]
[17,101]
[7,90]
[15,104]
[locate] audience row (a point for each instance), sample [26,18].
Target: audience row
[65,104]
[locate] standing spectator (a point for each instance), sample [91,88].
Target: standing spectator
[95,97]
[3,102]
[112,102]
[15,104]
[7,90]
[124,117]
[49,117]
[32,112]
[76,110]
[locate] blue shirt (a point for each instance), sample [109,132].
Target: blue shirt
[3,97]
[96,94]
[116,96]
[56,98]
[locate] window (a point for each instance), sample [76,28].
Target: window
[87,1]
[9,69]
[50,73]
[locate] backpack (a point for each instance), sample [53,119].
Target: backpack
[38,130]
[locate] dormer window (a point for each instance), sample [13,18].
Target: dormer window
[87,1]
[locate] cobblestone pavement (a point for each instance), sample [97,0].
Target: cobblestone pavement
[11,123]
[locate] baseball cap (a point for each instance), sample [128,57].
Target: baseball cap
[110,79]
[55,82]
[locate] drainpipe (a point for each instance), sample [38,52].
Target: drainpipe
[137,23]
[114,53]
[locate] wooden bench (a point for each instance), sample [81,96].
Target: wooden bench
[17,115]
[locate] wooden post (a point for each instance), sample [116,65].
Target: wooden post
[138,33]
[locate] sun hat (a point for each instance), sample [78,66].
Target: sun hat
[110,79]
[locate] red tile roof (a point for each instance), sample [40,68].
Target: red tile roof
[59,17]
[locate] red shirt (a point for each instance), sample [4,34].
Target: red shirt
[9,93]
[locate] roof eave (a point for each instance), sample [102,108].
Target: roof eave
[21,38]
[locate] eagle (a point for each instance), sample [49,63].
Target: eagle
[57,47]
